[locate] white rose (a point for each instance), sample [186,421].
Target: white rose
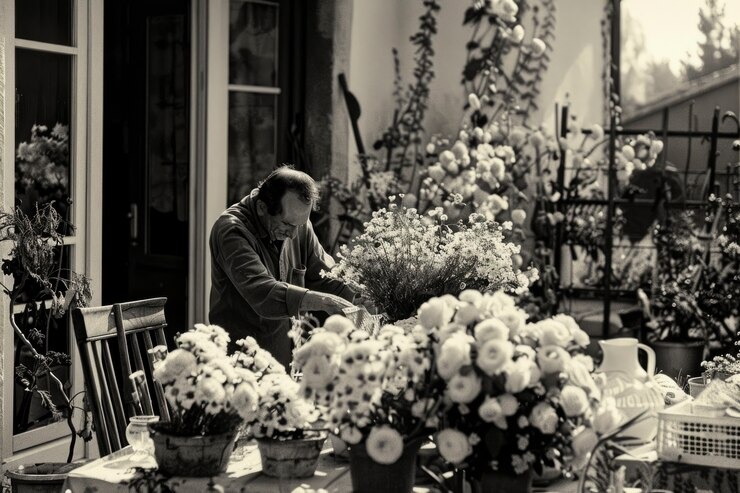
[454,353]
[338,324]
[453,445]
[554,333]
[580,376]
[493,355]
[509,404]
[490,411]
[514,318]
[384,445]
[526,351]
[467,313]
[518,375]
[463,389]
[573,400]
[544,418]
[471,296]
[584,442]
[552,359]
[491,328]
[434,313]
[586,361]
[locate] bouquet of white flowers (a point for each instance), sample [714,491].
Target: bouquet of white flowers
[517,394]
[207,394]
[403,258]
[282,412]
[375,387]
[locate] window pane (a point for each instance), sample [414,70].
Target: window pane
[167,143]
[50,337]
[43,95]
[251,141]
[253,34]
[49,21]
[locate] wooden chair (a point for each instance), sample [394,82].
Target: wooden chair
[136,322]
[113,395]
[95,331]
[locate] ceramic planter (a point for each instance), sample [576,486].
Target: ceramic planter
[679,358]
[192,456]
[287,459]
[369,476]
[40,478]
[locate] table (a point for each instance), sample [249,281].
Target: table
[117,473]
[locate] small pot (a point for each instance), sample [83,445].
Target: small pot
[369,476]
[45,477]
[680,357]
[696,386]
[192,456]
[289,459]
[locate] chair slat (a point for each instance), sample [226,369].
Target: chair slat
[144,395]
[95,402]
[111,428]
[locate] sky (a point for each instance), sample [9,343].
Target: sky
[670,26]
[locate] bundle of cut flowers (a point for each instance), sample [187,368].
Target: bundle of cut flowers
[207,394]
[282,413]
[517,395]
[403,258]
[376,388]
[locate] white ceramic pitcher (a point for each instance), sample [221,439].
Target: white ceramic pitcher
[633,388]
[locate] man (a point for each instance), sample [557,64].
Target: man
[266,262]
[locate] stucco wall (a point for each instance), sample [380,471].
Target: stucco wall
[379,25]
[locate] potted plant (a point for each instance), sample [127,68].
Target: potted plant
[208,397]
[376,394]
[48,290]
[283,424]
[403,258]
[518,396]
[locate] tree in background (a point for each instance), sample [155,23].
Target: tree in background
[718,48]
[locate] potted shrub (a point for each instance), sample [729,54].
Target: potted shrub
[48,291]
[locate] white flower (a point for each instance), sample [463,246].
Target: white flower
[491,328]
[338,324]
[384,445]
[317,372]
[473,101]
[454,353]
[514,318]
[467,313]
[519,375]
[434,313]
[463,389]
[177,363]
[544,418]
[471,296]
[494,355]
[552,359]
[597,132]
[506,9]
[244,400]
[538,47]
[554,333]
[586,361]
[509,404]
[351,435]
[490,411]
[437,172]
[574,401]
[517,34]
[518,216]
[453,445]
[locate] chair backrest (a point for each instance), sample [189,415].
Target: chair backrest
[114,396]
[95,331]
[141,324]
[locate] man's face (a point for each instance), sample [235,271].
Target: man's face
[285,225]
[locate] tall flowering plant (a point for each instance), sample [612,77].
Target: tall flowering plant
[375,387]
[403,258]
[516,394]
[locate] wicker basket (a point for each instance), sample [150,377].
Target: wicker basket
[686,437]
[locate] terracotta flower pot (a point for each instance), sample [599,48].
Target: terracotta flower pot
[679,358]
[290,458]
[370,477]
[193,456]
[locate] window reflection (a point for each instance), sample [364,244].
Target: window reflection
[48,21]
[253,43]
[251,141]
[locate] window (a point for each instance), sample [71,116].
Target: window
[47,66]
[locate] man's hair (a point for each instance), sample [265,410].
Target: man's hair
[284,179]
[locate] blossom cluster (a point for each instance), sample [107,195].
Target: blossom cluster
[44,160]
[210,392]
[515,393]
[374,387]
[404,257]
[206,393]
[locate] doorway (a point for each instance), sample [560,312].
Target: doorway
[146,154]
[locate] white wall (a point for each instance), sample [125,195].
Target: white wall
[575,68]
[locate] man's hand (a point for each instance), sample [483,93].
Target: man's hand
[316,301]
